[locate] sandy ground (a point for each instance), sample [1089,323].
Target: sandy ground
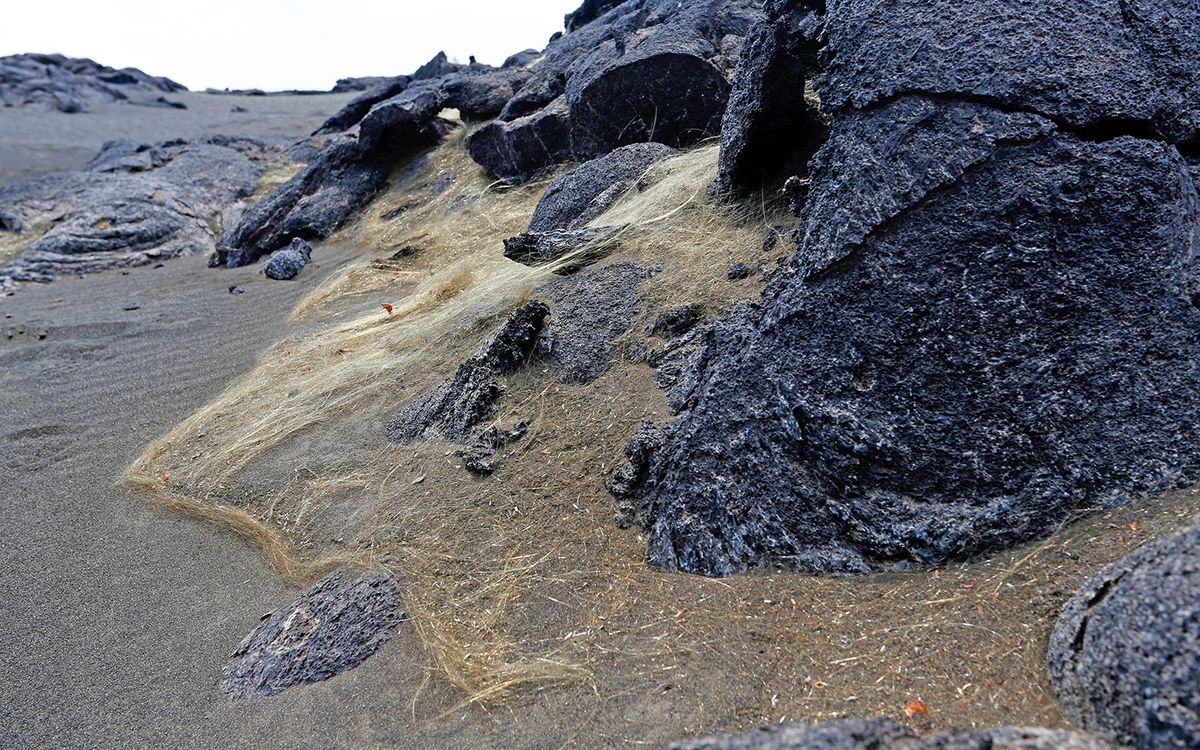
[33,141]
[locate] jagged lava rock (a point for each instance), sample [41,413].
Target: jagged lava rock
[332,627]
[520,149]
[990,324]
[461,405]
[1125,655]
[541,248]
[357,108]
[1134,63]
[767,121]
[286,264]
[587,191]
[590,310]
[70,84]
[884,734]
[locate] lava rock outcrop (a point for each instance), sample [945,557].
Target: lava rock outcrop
[70,84]
[1125,656]
[131,205]
[332,627]
[989,323]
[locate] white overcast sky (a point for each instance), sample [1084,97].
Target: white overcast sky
[278,44]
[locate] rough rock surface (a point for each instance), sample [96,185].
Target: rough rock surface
[518,150]
[132,204]
[584,193]
[1125,655]
[70,84]
[989,325]
[358,107]
[590,310]
[1132,66]
[332,627]
[884,734]
[767,122]
[647,70]
[286,264]
[457,408]
[344,176]
[542,248]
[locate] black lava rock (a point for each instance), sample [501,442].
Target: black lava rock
[357,108]
[69,84]
[1125,655]
[767,123]
[332,627]
[457,408]
[520,149]
[287,263]
[581,195]
[989,325]
[884,734]
[589,244]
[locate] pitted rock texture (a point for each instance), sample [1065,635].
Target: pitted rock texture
[768,126]
[645,70]
[71,84]
[1133,65]
[584,193]
[463,405]
[590,311]
[131,205]
[589,244]
[1125,655]
[332,627]
[884,734]
[989,325]
[343,177]
[286,264]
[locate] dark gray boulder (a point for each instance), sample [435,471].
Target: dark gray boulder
[884,734]
[989,325]
[286,264]
[1131,67]
[589,11]
[131,205]
[584,193]
[1125,655]
[480,95]
[663,92]
[71,84]
[359,83]
[542,248]
[462,405]
[768,128]
[357,108]
[437,67]
[520,149]
[332,627]
[343,177]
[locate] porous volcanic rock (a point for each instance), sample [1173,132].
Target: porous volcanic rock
[989,325]
[358,107]
[518,150]
[990,320]
[464,403]
[884,734]
[1125,655]
[647,70]
[332,627]
[584,193]
[542,248]
[1132,66]
[767,122]
[590,310]
[131,205]
[345,175]
[71,84]
[286,264]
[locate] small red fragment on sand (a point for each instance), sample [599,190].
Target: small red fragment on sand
[387,307]
[1133,526]
[166,477]
[914,707]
